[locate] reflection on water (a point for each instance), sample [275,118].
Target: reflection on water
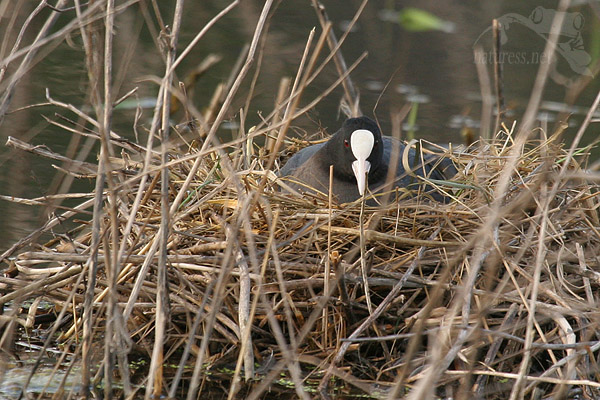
[433,68]
[45,380]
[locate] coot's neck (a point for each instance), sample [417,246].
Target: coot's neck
[378,172]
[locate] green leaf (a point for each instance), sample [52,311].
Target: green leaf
[418,20]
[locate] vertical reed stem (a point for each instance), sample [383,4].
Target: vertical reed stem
[155,374]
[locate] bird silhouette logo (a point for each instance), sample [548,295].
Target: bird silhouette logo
[570,41]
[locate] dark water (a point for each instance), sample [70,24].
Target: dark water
[436,69]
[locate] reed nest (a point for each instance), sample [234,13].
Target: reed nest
[495,288]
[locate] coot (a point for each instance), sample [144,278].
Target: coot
[356,149]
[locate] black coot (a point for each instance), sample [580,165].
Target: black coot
[356,149]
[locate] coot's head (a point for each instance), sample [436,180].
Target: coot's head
[355,150]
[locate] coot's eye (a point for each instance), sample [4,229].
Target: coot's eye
[376,143]
[346,143]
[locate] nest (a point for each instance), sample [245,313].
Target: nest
[494,290]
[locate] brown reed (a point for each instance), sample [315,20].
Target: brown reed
[200,262]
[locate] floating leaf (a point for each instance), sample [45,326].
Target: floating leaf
[417,20]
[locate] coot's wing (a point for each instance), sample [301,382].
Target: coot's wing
[444,168]
[298,159]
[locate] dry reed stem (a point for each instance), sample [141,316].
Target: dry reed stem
[350,92]
[154,385]
[337,241]
[464,294]
[486,95]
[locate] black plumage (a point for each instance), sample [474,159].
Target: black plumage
[309,168]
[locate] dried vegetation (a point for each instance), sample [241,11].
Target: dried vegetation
[197,261]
